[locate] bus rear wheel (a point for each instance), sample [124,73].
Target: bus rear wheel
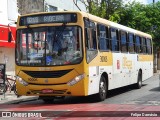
[138,85]
[101,96]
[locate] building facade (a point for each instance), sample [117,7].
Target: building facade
[33,6]
[8,16]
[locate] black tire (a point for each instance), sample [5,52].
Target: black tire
[3,88]
[138,85]
[101,96]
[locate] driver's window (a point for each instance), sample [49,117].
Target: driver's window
[90,38]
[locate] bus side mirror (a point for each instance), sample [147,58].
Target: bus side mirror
[9,37]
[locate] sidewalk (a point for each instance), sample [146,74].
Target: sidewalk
[11,98]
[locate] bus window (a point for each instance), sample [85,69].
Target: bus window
[91,43]
[138,44]
[130,42]
[103,37]
[123,41]
[114,39]
[149,46]
[144,47]
[90,31]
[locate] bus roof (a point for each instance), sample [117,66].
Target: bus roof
[115,25]
[100,20]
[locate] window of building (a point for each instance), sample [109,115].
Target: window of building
[50,8]
[102,32]
[131,42]
[114,39]
[123,41]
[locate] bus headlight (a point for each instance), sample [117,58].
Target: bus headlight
[22,81]
[75,80]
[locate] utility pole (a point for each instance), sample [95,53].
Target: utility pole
[153,1]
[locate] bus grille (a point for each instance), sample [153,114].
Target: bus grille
[47,74]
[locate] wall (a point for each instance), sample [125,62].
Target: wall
[33,6]
[8,15]
[7,55]
[66,4]
[30,6]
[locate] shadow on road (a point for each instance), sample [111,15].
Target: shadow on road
[157,89]
[91,99]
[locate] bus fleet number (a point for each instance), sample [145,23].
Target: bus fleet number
[103,58]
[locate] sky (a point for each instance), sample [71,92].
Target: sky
[143,1]
[151,1]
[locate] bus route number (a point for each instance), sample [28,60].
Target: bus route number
[103,58]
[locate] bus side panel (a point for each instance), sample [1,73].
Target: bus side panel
[102,63]
[94,79]
[124,72]
[146,64]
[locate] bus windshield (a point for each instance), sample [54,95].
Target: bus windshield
[49,46]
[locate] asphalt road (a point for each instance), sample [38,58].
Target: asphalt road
[149,94]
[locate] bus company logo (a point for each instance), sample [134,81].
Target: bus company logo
[6,114]
[127,63]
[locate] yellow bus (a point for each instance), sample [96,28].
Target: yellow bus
[73,53]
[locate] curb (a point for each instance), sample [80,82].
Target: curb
[13,99]
[20,100]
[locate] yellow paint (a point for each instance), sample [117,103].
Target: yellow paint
[97,60]
[127,63]
[144,58]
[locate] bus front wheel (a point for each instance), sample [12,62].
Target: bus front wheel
[101,96]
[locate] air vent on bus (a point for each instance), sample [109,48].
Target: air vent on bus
[47,74]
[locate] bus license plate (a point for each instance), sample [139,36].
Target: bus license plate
[47,91]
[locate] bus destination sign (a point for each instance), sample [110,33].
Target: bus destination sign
[48,18]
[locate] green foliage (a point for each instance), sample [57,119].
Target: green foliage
[98,9]
[113,7]
[103,8]
[144,18]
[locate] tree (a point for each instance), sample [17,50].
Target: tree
[113,7]
[143,17]
[103,8]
